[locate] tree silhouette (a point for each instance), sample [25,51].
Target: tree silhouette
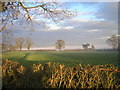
[19,42]
[28,43]
[92,47]
[85,46]
[113,41]
[60,45]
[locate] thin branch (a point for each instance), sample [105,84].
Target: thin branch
[32,7]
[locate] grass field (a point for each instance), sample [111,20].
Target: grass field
[68,58]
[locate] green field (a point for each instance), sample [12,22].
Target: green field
[68,58]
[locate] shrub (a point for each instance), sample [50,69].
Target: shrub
[54,75]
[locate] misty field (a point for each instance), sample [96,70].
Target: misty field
[68,58]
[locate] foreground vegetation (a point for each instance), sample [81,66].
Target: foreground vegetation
[52,75]
[68,58]
[68,69]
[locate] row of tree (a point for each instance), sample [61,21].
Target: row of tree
[113,41]
[60,45]
[18,44]
[12,11]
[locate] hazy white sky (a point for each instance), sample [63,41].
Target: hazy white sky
[94,23]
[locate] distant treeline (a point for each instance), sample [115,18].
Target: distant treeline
[107,49]
[71,50]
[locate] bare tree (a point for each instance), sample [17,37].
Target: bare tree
[26,12]
[86,46]
[92,47]
[11,47]
[19,42]
[113,41]
[6,40]
[28,43]
[4,47]
[60,45]
[119,42]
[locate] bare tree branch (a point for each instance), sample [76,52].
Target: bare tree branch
[12,10]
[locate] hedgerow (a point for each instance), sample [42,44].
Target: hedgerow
[55,75]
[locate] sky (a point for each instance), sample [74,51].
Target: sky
[94,23]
